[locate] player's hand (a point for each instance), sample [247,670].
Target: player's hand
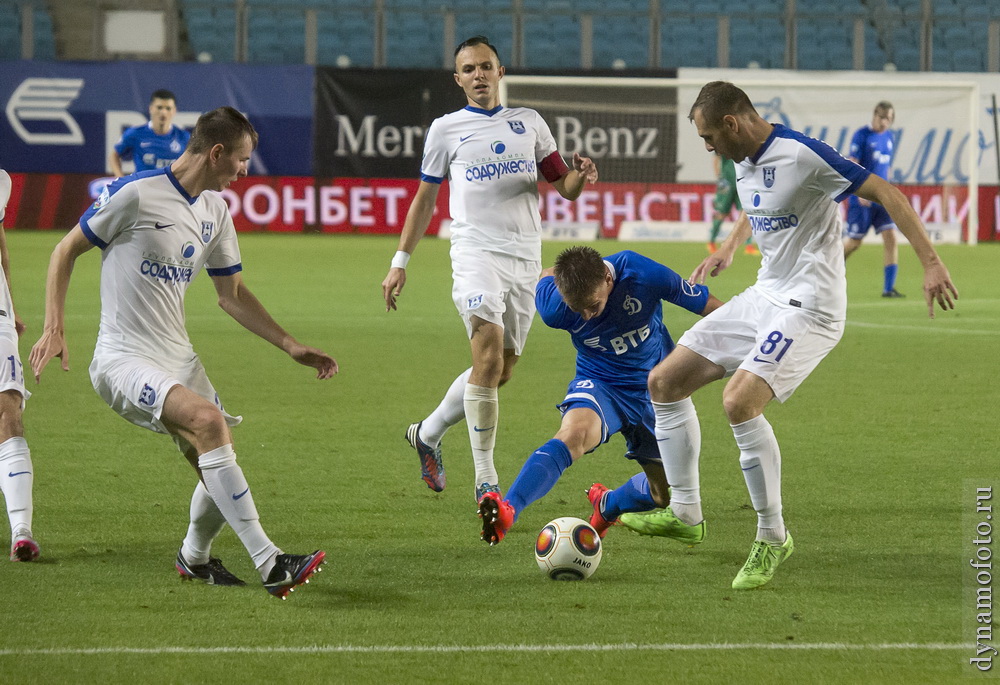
[938,286]
[712,265]
[392,286]
[585,167]
[50,345]
[325,365]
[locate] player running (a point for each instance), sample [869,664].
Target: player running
[613,311]
[492,156]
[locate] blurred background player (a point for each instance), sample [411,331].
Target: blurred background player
[726,198]
[16,471]
[155,144]
[771,336]
[872,148]
[492,156]
[612,308]
[157,231]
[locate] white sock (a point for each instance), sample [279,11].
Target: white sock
[228,487]
[482,409]
[448,413]
[678,435]
[16,479]
[760,459]
[206,523]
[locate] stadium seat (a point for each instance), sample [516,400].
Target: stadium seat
[414,39]
[551,41]
[624,38]
[211,30]
[345,34]
[689,43]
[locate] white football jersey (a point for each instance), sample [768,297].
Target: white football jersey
[6,304]
[492,159]
[790,189]
[155,238]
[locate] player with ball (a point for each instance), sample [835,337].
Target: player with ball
[612,309]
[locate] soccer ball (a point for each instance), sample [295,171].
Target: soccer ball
[568,549]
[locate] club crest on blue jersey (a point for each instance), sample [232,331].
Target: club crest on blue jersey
[516,126]
[498,147]
[207,227]
[631,305]
[175,146]
[147,396]
[768,176]
[475,302]
[187,252]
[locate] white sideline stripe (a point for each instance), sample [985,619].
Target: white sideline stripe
[452,649]
[925,329]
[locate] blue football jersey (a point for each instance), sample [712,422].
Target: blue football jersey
[148,149]
[629,338]
[873,150]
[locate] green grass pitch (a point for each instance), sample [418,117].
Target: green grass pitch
[880,448]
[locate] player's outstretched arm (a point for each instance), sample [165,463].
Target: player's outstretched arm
[722,258]
[52,342]
[418,218]
[241,304]
[937,281]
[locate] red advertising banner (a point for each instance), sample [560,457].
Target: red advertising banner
[379,205]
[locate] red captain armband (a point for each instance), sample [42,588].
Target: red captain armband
[553,167]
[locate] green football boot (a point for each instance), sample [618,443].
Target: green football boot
[664,524]
[762,563]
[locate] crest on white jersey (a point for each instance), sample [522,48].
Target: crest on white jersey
[207,228]
[516,126]
[768,176]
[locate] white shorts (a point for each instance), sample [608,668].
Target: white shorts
[11,369]
[780,344]
[497,288]
[135,388]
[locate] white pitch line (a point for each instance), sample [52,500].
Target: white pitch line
[930,328]
[473,649]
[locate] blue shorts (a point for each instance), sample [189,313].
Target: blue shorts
[628,412]
[860,219]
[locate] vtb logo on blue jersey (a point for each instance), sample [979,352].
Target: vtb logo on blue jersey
[631,305]
[498,147]
[147,396]
[206,230]
[516,126]
[768,176]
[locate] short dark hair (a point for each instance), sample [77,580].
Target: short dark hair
[162,94]
[477,40]
[223,125]
[579,271]
[884,106]
[718,99]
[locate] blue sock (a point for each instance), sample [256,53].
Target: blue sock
[539,474]
[632,496]
[890,277]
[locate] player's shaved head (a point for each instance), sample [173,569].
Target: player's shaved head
[226,126]
[718,99]
[579,271]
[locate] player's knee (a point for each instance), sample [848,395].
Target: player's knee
[663,387]
[736,406]
[10,416]
[208,424]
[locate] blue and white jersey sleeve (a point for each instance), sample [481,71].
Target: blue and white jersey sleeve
[551,307]
[437,158]
[224,252]
[116,210]
[830,173]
